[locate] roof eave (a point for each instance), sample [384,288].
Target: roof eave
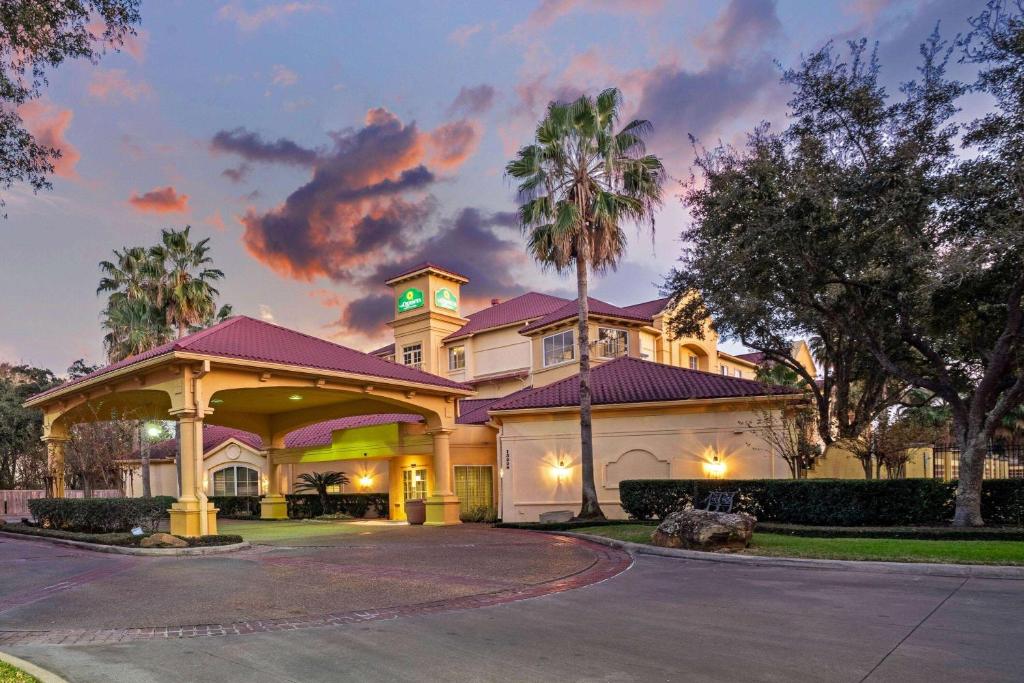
[762,398]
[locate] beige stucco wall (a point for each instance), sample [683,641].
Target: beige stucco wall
[163,480]
[650,442]
[497,351]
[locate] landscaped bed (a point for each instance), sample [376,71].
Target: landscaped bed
[11,674]
[125,540]
[882,549]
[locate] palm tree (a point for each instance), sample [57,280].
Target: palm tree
[578,183]
[185,289]
[320,482]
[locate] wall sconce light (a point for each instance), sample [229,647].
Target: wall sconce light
[715,469]
[561,470]
[153,430]
[366,480]
[295,397]
[265,483]
[206,480]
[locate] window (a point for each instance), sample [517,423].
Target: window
[693,362]
[559,348]
[236,481]
[612,342]
[724,369]
[457,358]
[739,373]
[414,484]
[412,355]
[475,487]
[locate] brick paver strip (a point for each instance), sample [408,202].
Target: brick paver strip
[607,563]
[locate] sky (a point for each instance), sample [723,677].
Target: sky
[323,146]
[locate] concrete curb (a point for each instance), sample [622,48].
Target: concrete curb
[120,550]
[31,669]
[980,571]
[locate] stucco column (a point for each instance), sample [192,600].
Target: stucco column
[55,464]
[274,505]
[192,515]
[442,505]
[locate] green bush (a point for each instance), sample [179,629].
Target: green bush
[100,515]
[221,539]
[237,507]
[481,513]
[921,533]
[828,502]
[307,506]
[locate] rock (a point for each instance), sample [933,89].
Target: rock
[704,530]
[556,516]
[163,541]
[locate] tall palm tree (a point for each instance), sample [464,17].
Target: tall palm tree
[579,183]
[185,290]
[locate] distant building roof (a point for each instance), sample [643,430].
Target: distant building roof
[569,311]
[755,357]
[388,350]
[474,411]
[516,310]
[648,309]
[631,380]
[314,435]
[247,338]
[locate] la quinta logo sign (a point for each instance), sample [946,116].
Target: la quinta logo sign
[443,298]
[410,299]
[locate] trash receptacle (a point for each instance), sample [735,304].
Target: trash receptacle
[416,511]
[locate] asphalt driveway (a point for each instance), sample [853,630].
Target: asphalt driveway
[662,619]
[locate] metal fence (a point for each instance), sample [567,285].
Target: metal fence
[1003,461]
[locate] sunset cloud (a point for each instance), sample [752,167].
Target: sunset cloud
[251,21]
[282,76]
[48,124]
[112,85]
[461,35]
[473,100]
[160,200]
[252,147]
[453,143]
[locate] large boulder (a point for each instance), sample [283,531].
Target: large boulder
[163,541]
[704,530]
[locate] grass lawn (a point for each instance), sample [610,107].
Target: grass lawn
[9,674]
[285,531]
[886,549]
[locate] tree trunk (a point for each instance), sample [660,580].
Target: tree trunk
[144,460]
[973,449]
[590,509]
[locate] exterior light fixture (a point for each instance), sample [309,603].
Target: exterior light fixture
[561,470]
[153,431]
[216,401]
[715,469]
[295,397]
[365,481]
[266,483]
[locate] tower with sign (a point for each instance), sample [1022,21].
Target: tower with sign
[426,311]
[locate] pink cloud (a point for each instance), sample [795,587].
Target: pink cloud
[282,76]
[550,11]
[112,85]
[160,200]
[453,143]
[461,35]
[48,123]
[215,220]
[250,21]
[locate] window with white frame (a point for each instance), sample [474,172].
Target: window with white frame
[236,481]
[412,355]
[457,358]
[739,373]
[724,369]
[559,348]
[693,362]
[612,342]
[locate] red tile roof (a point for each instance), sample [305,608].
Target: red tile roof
[250,339]
[473,411]
[422,266]
[517,310]
[388,350]
[631,380]
[597,307]
[648,309]
[318,434]
[756,357]
[521,373]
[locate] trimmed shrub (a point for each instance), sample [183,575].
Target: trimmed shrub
[481,513]
[306,506]
[100,515]
[921,533]
[828,502]
[237,507]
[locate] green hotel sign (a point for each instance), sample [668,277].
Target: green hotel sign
[410,299]
[443,298]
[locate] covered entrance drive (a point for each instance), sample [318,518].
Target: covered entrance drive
[247,374]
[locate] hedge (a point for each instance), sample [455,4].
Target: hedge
[118,539]
[828,502]
[304,506]
[100,515]
[236,507]
[920,533]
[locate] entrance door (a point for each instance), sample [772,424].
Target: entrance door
[474,485]
[414,484]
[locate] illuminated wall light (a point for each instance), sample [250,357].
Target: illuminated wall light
[715,469]
[366,481]
[153,431]
[561,470]
[295,397]
[266,483]
[216,401]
